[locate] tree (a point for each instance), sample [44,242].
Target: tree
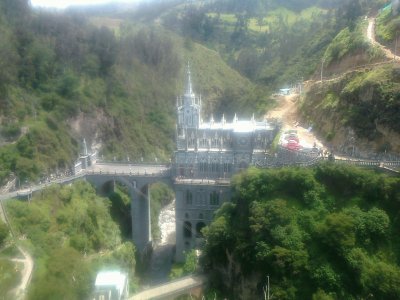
[190,262]
[322,295]
[247,62]
[338,231]
[7,63]
[67,277]
[4,232]
[104,44]
[348,13]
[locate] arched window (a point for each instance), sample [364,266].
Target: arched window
[215,141]
[189,197]
[204,141]
[186,215]
[192,140]
[203,166]
[181,170]
[201,217]
[214,198]
[187,229]
[199,227]
[243,165]
[227,167]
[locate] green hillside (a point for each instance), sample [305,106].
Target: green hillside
[387,26]
[71,235]
[64,79]
[323,233]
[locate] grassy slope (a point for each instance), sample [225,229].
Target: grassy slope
[65,228]
[365,101]
[387,27]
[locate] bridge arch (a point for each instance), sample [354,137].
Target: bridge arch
[139,192]
[187,229]
[199,226]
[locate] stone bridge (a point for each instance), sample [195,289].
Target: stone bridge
[137,178]
[198,197]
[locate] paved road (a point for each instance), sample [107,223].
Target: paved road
[177,288]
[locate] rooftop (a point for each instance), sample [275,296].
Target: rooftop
[111,278]
[238,126]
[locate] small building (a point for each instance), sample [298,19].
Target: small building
[111,285]
[284,92]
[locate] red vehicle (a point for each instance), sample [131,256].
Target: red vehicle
[293,145]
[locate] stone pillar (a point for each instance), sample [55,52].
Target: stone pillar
[149,236]
[136,224]
[140,212]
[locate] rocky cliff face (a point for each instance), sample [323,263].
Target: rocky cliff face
[89,126]
[358,113]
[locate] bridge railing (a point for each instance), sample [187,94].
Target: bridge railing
[203,181]
[131,163]
[391,163]
[163,173]
[300,160]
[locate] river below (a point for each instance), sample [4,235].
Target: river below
[163,252]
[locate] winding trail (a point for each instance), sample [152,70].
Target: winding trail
[372,39]
[27,261]
[287,109]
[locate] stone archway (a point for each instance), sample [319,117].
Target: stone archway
[138,189]
[199,226]
[187,229]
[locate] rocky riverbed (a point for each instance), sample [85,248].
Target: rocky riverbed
[163,252]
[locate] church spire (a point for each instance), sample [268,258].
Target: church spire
[85,150]
[189,90]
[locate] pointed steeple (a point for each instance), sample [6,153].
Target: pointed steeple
[85,150]
[189,90]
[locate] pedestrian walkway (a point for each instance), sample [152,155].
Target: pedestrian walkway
[172,289]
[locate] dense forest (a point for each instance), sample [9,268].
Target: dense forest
[324,233]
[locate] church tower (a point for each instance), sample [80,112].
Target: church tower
[188,109]
[188,106]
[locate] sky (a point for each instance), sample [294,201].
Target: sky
[65,3]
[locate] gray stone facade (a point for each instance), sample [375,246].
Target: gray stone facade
[207,155]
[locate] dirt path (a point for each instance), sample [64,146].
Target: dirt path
[287,112]
[27,261]
[287,109]
[371,37]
